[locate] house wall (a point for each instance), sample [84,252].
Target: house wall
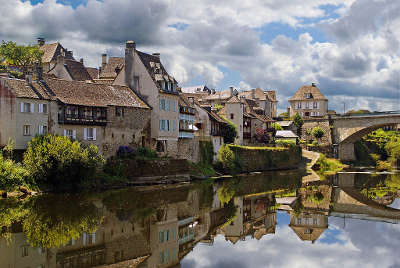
[237,110]
[217,142]
[189,149]
[323,107]
[61,72]
[8,110]
[310,124]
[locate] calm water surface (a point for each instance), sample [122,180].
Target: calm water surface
[284,219]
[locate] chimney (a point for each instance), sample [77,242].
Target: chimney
[253,94]
[231,91]
[81,61]
[130,48]
[28,79]
[313,84]
[60,59]
[41,41]
[156,55]
[103,61]
[37,72]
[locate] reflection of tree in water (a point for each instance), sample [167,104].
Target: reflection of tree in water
[12,210]
[382,188]
[225,193]
[52,221]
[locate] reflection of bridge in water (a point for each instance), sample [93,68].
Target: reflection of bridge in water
[348,202]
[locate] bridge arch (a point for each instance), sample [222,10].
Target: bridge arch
[348,130]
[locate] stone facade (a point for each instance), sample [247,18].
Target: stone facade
[310,124]
[189,149]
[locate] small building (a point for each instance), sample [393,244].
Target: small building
[51,52]
[286,135]
[308,101]
[287,125]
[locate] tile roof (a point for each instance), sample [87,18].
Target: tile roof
[77,71]
[93,72]
[22,89]
[93,94]
[258,93]
[234,99]
[316,94]
[184,101]
[313,235]
[219,95]
[112,64]
[51,51]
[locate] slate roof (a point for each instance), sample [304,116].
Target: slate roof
[51,51]
[93,72]
[316,94]
[109,69]
[77,70]
[285,134]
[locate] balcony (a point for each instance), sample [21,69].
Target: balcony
[75,115]
[186,110]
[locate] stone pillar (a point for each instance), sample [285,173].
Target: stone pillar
[346,152]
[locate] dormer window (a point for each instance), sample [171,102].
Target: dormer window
[174,87]
[162,85]
[308,95]
[169,86]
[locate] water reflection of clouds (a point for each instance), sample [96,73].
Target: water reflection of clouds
[359,244]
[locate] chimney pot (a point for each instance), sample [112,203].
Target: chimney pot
[130,44]
[231,91]
[253,93]
[81,60]
[313,84]
[41,41]
[103,61]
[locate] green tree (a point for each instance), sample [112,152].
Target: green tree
[276,126]
[230,132]
[318,132]
[299,122]
[226,157]
[393,149]
[60,162]
[12,175]
[20,55]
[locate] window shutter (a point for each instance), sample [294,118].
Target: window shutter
[94,134]
[40,130]
[32,107]
[74,134]
[160,105]
[85,134]
[22,107]
[65,132]
[168,125]
[160,125]
[40,108]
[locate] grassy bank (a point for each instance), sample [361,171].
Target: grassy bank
[328,166]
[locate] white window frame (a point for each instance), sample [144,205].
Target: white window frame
[90,136]
[42,108]
[26,130]
[43,130]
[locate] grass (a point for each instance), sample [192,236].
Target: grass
[329,165]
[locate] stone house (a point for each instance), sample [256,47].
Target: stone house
[308,101]
[51,52]
[145,74]
[70,70]
[103,115]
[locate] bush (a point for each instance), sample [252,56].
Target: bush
[318,132]
[12,175]
[230,132]
[146,153]
[329,165]
[206,152]
[226,157]
[285,143]
[299,122]
[276,126]
[60,162]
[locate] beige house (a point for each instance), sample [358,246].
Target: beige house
[103,115]
[145,74]
[308,101]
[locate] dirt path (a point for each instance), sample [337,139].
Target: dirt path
[311,159]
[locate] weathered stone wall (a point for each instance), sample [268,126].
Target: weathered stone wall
[159,167]
[310,124]
[260,159]
[189,149]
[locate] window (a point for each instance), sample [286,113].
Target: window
[27,130]
[307,95]
[43,108]
[119,111]
[27,107]
[70,133]
[169,86]
[315,221]
[232,116]
[174,87]
[174,105]
[308,231]
[307,105]
[89,134]
[162,124]
[162,104]
[42,130]
[167,125]
[168,105]
[24,251]
[299,105]
[315,104]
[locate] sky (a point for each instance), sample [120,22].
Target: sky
[349,48]
[357,243]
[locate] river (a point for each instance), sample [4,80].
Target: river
[274,219]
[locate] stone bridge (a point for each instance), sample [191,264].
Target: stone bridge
[348,129]
[346,200]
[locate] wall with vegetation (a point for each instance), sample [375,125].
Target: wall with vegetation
[266,158]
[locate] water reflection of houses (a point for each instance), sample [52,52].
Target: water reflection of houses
[254,217]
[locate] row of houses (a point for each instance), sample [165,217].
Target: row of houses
[134,101]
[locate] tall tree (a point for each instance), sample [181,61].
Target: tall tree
[20,56]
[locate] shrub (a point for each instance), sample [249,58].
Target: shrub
[276,126]
[298,121]
[146,153]
[58,161]
[206,152]
[329,165]
[285,143]
[318,132]
[226,157]
[12,175]
[383,165]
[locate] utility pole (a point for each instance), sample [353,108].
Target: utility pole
[344,108]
